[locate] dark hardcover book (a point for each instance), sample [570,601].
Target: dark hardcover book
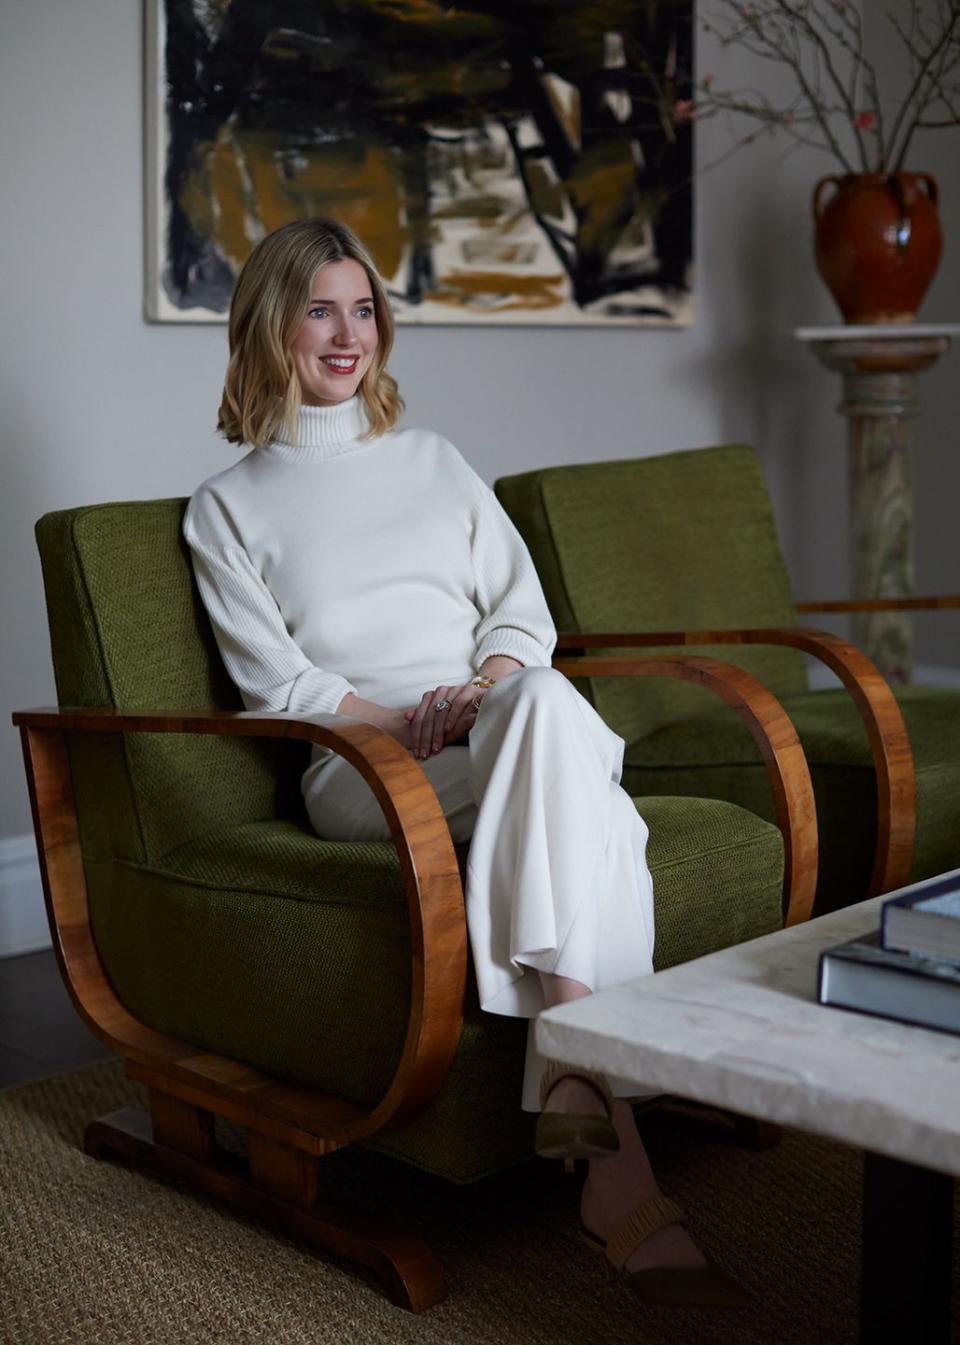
[925,918]
[863,975]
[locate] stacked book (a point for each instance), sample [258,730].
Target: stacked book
[910,967]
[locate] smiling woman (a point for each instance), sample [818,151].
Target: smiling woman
[310,324]
[336,342]
[351,568]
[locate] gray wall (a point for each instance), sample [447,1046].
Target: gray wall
[99,405]
[936,472]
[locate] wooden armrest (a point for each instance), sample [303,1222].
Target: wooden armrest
[887,733]
[882,604]
[779,745]
[431,882]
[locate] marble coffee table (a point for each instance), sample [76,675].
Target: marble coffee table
[741,1029]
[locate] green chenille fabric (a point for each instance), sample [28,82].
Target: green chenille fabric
[316,985]
[128,630]
[223,921]
[685,541]
[715,754]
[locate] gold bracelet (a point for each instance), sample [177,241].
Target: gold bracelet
[484,682]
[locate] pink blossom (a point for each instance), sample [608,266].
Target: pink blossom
[707,81]
[865,121]
[684,109]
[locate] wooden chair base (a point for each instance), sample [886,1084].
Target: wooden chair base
[278,1185]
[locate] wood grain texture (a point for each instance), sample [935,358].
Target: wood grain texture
[282,1169]
[405,1266]
[434,898]
[889,743]
[882,604]
[774,735]
[181,1126]
[237,1093]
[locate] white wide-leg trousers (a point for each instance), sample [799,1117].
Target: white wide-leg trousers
[557,879]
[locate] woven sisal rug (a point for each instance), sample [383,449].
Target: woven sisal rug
[93,1254]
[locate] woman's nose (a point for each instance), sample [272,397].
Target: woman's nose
[345,334]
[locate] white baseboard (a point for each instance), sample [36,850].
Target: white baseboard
[23,918]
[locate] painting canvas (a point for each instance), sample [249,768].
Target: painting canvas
[504,162]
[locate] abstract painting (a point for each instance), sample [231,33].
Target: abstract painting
[504,162]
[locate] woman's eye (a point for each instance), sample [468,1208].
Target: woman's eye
[317,313]
[365,312]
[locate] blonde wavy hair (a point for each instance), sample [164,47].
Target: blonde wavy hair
[261,391]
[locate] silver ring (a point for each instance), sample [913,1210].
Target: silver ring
[442,705]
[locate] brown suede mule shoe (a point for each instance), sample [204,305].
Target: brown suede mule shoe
[570,1135]
[669,1286]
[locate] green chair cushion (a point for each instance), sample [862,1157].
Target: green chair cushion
[263,943]
[630,546]
[715,752]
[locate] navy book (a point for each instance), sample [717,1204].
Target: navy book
[925,918]
[863,975]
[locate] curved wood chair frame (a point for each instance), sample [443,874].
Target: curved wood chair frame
[431,882]
[942,602]
[774,734]
[290,1128]
[875,701]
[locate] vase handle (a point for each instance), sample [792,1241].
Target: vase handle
[931,185]
[818,191]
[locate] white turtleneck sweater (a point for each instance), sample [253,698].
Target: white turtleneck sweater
[339,564]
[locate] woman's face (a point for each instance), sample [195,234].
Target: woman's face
[335,343]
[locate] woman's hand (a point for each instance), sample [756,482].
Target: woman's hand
[393,722]
[432,729]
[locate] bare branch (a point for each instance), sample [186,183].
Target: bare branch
[823,51]
[821,43]
[908,107]
[872,85]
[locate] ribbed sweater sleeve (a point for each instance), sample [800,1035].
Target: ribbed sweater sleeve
[268,667]
[516,620]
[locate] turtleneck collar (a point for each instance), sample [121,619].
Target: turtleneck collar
[322,432]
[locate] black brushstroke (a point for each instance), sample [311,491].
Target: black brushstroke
[309,68]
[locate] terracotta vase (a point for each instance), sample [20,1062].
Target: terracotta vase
[877,242]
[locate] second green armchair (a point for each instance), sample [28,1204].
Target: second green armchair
[686,544]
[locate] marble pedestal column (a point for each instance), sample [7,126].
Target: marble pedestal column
[878,365]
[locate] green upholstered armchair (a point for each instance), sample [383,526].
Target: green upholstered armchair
[315,993]
[682,550]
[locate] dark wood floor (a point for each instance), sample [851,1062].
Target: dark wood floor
[40,1032]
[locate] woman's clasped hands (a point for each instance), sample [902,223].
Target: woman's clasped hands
[443,716]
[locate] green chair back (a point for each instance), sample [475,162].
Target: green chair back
[128,631]
[633,546]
